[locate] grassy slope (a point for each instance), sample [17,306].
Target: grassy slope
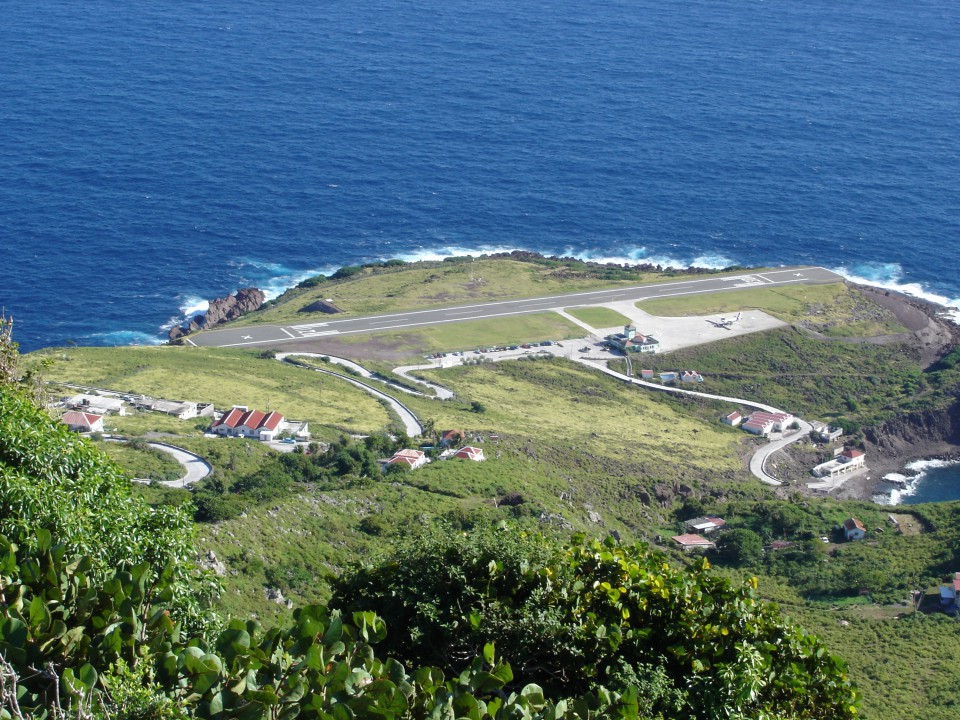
[223,377]
[812,377]
[149,464]
[573,444]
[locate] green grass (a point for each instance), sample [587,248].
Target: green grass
[833,309]
[598,317]
[412,344]
[148,464]
[223,377]
[439,284]
[813,377]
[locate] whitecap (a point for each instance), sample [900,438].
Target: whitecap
[889,276]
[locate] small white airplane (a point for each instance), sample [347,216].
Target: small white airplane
[725,323]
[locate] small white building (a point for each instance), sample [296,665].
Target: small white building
[690,542]
[83,422]
[705,525]
[97,404]
[413,459]
[853,529]
[846,461]
[825,433]
[733,419]
[470,453]
[763,423]
[689,376]
[241,422]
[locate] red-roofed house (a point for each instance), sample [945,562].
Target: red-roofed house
[83,422]
[241,422]
[853,529]
[646,374]
[693,542]
[733,419]
[470,453]
[764,423]
[450,438]
[411,458]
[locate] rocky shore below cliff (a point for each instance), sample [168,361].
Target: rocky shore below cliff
[220,311]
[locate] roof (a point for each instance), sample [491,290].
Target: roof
[852,523]
[775,417]
[734,415]
[690,540]
[707,521]
[407,456]
[469,453]
[80,418]
[253,419]
[851,453]
[231,419]
[448,434]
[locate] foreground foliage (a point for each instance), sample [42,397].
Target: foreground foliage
[598,613]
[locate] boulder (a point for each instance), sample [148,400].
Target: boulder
[222,310]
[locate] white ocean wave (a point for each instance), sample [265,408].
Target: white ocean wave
[124,337]
[910,483]
[889,276]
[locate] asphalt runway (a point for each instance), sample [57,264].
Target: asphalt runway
[253,335]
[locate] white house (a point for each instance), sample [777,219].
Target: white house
[83,422]
[470,453]
[691,376]
[733,419]
[824,432]
[853,529]
[705,525]
[97,404]
[846,461]
[693,542]
[240,422]
[764,423]
[413,459]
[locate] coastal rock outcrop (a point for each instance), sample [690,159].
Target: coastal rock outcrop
[222,310]
[916,434]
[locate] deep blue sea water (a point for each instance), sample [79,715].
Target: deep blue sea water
[155,154]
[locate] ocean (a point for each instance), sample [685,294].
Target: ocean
[155,155]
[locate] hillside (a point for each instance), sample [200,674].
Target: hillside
[568,450]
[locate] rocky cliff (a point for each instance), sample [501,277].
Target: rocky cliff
[222,310]
[914,434]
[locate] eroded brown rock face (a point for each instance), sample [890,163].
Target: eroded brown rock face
[222,310]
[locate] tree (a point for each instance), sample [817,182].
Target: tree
[740,547]
[590,613]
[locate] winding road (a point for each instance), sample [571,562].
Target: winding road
[411,423]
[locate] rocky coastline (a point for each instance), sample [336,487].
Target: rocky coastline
[220,311]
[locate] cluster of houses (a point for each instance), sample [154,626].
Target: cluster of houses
[414,459]
[684,376]
[86,412]
[631,341]
[694,538]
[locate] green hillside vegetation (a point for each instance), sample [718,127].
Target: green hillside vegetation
[378,287]
[100,592]
[139,460]
[223,377]
[834,309]
[817,379]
